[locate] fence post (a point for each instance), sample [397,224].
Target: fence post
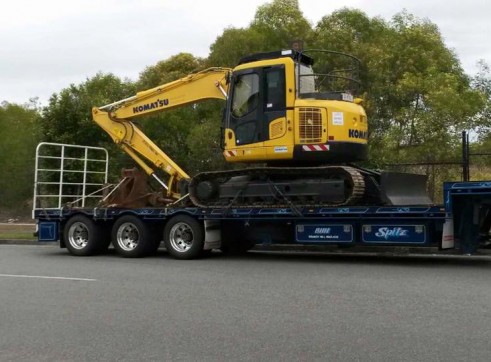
[465,157]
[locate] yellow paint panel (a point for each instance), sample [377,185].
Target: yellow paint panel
[347,122]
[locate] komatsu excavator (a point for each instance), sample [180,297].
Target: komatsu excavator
[304,127]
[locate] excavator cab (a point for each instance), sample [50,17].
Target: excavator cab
[283,110]
[256,111]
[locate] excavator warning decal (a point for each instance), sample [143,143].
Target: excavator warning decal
[230,153]
[309,148]
[338,118]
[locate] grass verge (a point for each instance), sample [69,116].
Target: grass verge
[16,236]
[17,231]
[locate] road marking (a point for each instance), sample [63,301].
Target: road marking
[45,277]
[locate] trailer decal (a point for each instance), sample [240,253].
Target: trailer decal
[390,233]
[324,233]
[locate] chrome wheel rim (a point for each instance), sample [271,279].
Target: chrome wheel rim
[78,235]
[128,236]
[181,237]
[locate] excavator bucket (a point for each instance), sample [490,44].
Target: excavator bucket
[132,190]
[398,188]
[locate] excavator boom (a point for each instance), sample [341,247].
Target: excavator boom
[117,119]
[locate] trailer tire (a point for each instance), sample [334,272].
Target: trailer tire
[82,236]
[131,237]
[184,237]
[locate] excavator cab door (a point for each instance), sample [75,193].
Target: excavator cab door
[274,97]
[245,110]
[257,98]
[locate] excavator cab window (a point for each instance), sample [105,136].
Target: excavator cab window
[246,94]
[275,98]
[306,79]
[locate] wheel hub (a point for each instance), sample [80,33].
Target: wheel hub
[127,236]
[181,237]
[78,235]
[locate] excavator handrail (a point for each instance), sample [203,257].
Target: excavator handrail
[111,105]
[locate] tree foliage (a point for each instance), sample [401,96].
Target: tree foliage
[68,116]
[482,83]
[222,53]
[19,136]
[275,26]
[416,92]
[168,70]
[280,22]
[190,134]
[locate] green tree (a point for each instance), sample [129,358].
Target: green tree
[68,116]
[275,26]
[417,95]
[204,139]
[19,136]
[165,71]
[224,51]
[482,83]
[281,22]
[184,134]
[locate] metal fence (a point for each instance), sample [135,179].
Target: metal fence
[464,169]
[69,175]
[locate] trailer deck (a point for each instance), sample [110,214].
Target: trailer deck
[461,225]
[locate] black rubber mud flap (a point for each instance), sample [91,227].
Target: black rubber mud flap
[399,188]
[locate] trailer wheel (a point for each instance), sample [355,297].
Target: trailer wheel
[184,237]
[82,236]
[131,237]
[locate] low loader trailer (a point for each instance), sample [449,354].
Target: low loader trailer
[70,182]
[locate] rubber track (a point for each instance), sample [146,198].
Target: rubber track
[353,175]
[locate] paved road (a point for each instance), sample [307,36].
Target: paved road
[263,307]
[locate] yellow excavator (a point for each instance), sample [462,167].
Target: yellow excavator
[304,126]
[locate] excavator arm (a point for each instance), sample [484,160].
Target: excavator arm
[117,120]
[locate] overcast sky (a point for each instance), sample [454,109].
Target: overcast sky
[47,45]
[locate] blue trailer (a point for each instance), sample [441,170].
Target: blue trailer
[460,226]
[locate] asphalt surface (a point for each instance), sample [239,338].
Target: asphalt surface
[261,307]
